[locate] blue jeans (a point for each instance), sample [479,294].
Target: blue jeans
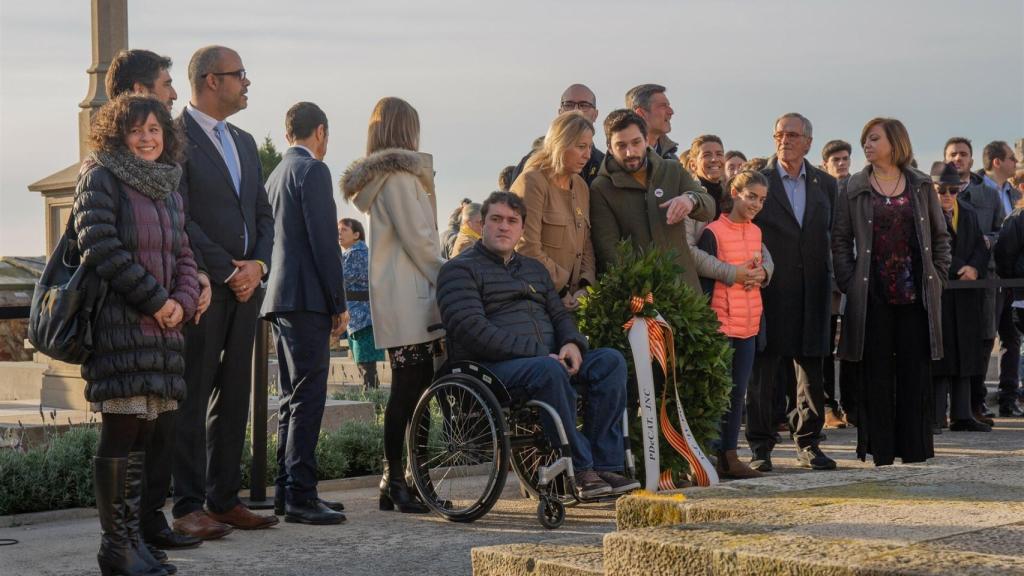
[603,374]
[742,366]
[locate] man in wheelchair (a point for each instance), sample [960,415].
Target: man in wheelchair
[501,309]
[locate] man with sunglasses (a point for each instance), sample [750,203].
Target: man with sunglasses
[963,357]
[575,97]
[231,228]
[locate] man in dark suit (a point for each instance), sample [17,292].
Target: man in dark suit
[796,224]
[1000,163]
[231,228]
[305,302]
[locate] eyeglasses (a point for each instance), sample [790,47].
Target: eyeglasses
[947,190]
[780,136]
[574,105]
[240,73]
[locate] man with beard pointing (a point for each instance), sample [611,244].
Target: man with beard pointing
[640,196]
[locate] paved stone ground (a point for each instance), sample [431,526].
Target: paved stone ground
[391,544]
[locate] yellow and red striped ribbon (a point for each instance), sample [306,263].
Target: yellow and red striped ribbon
[663,350]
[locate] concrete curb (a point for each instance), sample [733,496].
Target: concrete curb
[47,516]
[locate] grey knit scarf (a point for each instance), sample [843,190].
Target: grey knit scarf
[152,179]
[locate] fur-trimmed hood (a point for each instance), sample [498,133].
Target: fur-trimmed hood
[365,177]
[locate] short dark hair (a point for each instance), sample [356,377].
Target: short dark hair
[958,140]
[833,147]
[115,119]
[735,154]
[994,150]
[619,120]
[505,178]
[302,120]
[507,198]
[355,226]
[131,66]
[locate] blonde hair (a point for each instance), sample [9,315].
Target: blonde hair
[394,123]
[565,130]
[899,139]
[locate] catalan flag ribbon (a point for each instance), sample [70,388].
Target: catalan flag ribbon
[651,339]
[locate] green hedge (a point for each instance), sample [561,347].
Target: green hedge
[59,474]
[49,477]
[355,449]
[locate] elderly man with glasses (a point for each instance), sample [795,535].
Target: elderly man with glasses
[575,97]
[796,224]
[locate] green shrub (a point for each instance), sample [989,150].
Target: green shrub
[49,477]
[379,397]
[355,449]
[59,474]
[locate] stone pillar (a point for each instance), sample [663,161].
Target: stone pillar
[62,385]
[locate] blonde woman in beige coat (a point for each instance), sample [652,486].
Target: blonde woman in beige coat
[394,186]
[551,187]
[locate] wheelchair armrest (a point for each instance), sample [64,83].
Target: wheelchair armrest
[484,375]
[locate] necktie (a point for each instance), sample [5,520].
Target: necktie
[229,158]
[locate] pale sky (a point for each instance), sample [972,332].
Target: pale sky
[485,76]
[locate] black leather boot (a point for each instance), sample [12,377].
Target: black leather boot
[118,554]
[394,492]
[135,475]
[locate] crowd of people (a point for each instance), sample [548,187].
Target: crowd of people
[802,262]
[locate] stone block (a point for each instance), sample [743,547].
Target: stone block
[336,412]
[21,380]
[537,560]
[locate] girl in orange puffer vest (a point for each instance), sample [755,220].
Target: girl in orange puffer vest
[736,240]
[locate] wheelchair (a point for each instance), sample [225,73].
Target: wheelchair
[467,430]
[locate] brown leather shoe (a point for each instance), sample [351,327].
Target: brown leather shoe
[242,518]
[980,417]
[730,466]
[833,419]
[200,525]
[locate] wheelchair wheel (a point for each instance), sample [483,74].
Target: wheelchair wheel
[550,513]
[458,448]
[531,450]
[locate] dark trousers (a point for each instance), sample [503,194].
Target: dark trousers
[211,421]
[896,393]
[304,356]
[952,393]
[744,350]
[807,416]
[158,475]
[603,373]
[1009,353]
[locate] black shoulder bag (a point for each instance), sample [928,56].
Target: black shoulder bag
[67,301]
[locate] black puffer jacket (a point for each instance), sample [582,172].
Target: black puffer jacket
[140,247]
[494,311]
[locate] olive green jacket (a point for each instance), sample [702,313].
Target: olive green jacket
[621,208]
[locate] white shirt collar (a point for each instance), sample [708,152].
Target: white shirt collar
[205,121]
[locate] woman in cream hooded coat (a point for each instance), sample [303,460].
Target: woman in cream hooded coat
[394,186]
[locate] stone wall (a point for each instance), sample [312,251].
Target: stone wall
[12,340]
